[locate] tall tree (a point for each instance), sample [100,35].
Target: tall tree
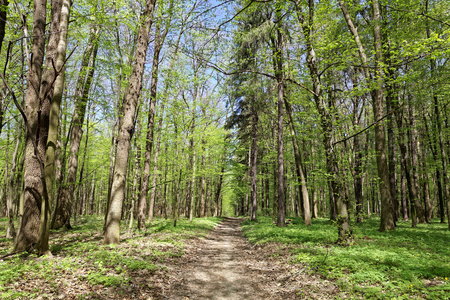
[65,197]
[345,233]
[387,210]
[112,229]
[39,93]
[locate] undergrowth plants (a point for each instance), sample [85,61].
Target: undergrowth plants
[406,263]
[79,256]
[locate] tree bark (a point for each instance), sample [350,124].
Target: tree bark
[387,211]
[278,64]
[55,105]
[11,203]
[345,234]
[414,145]
[65,197]
[112,231]
[3,15]
[254,161]
[306,210]
[35,138]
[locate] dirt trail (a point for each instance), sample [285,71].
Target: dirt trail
[218,270]
[225,265]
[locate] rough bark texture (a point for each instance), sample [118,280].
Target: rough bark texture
[112,228]
[55,105]
[65,196]
[33,184]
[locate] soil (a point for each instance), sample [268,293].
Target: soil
[225,265]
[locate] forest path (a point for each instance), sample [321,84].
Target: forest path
[225,265]
[218,269]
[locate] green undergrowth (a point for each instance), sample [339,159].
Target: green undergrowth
[407,263]
[79,255]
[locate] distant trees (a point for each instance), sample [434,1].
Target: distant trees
[286,108]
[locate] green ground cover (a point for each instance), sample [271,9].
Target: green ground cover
[81,260]
[408,263]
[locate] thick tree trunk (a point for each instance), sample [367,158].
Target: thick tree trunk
[65,197]
[55,105]
[112,231]
[35,138]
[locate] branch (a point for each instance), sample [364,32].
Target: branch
[27,125]
[219,69]
[420,14]
[371,125]
[234,17]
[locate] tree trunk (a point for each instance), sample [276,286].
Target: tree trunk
[387,211]
[306,210]
[36,138]
[112,231]
[3,15]
[65,197]
[414,146]
[345,235]
[55,105]
[11,195]
[254,161]
[203,192]
[278,64]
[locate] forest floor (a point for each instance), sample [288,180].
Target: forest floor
[225,265]
[207,259]
[231,258]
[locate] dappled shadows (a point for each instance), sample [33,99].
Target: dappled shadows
[221,269]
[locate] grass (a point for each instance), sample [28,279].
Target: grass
[408,263]
[82,263]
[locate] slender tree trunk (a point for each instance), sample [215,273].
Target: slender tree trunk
[193,160]
[203,192]
[387,210]
[3,14]
[254,161]
[65,197]
[404,202]
[137,178]
[55,105]
[345,235]
[112,231]
[306,210]
[414,145]
[278,63]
